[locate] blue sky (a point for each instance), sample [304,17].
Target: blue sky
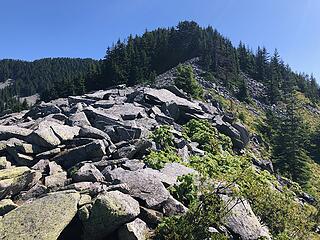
[85,28]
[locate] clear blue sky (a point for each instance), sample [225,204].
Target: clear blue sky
[32,29]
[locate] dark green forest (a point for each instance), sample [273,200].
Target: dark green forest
[42,76]
[139,59]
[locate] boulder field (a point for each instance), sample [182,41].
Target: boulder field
[73,168]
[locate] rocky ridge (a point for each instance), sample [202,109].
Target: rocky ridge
[74,166]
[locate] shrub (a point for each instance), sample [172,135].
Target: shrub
[157,159]
[163,137]
[242,117]
[278,210]
[186,81]
[186,190]
[210,140]
[207,211]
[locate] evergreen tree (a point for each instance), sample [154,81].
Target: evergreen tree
[312,92]
[243,93]
[81,85]
[273,86]
[289,142]
[314,146]
[25,104]
[186,81]
[261,64]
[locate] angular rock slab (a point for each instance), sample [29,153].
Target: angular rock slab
[70,157]
[135,230]
[87,173]
[50,134]
[44,137]
[6,205]
[42,219]
[162,96]
[242,221]
[7,132]
[14,180]
[142,184]
[109,211]
[175,170]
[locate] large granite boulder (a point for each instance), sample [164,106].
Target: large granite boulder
[161,96]
[70,157]
[42,219]
[91,132]
[242,221]
[125,111]
[41,110]
[87,173]
[7,132]
[44,137]
[65,132]
[109,211]
[14,180]
[142,185]
[238,139]
[79,119]
[135,148]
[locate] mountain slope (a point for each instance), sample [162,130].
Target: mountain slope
[153,160]
[201,140]
[29,78]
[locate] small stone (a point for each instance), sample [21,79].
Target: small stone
[87,173]
[84,199]
[4,163]
[6,205]
[83,213]
[136,230]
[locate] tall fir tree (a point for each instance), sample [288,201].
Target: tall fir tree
[290,139]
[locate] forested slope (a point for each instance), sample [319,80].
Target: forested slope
[39,76]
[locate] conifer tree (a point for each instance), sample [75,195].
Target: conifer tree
[289,143]
[186,81]
[273,90]
[243,93]
[261,64]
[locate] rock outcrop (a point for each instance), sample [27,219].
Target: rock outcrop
[76,164]
[44,218]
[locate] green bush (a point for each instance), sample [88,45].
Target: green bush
[208,137]
[163,137]
[277,209]
[186,81]
[157,159]
[205,212]
[186,190]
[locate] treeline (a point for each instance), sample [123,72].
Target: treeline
[139,59]
[44,76]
